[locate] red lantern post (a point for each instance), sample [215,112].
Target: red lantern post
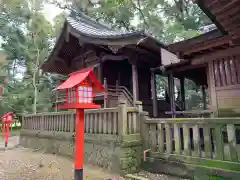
[6,123]
[80,88]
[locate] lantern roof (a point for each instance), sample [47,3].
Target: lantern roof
[78,77]
[7,114]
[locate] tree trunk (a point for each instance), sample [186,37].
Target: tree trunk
[35,93]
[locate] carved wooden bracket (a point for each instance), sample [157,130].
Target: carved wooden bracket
[114,48]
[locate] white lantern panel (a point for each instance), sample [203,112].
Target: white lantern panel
[81,100]
[89,89]
[89,100]
[89,94]
[80,93]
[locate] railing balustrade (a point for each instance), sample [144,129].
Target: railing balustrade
[211,138]
[121,120]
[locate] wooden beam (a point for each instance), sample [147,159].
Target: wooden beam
[113,57]
[184,68]
[207,10]
[154,94]
[216,55]
[228,6]
[236,31]
[106,91]
[67,34]
[226,22]
[226,15]
[233,27]
[183,100]
[100,71]
[204,97]
[208,44]
[140,50]
[135,83]
[172,94]
[211,86]
[213,3]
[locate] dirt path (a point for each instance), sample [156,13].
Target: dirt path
[24,164]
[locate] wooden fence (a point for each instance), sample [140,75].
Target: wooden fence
[200,139]
[211,142]
[121,120]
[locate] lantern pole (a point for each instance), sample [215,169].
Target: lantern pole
[6,133]
[79,144]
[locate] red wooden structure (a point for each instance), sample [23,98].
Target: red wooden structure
[80,88]
[6,123]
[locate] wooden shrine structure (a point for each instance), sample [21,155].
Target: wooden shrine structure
[213,59]
[127,62]
[121,61]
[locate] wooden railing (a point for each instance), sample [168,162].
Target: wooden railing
[193,113]
[121,120]
[208,138]
[54,121]
[102,121]
[121,92]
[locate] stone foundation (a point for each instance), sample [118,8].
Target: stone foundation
[106,151]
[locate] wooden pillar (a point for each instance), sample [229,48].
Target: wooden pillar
[182,89]
[100,71]
[171,94]
[56,109]
[204,97]
[211,87]
[105,95]
[134,83]
[154,94]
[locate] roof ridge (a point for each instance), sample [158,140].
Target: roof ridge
[80,16]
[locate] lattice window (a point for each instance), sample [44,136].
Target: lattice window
[71,95]
[227,71]
[85,94]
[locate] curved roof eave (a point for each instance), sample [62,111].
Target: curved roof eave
[57,45]
[98,32]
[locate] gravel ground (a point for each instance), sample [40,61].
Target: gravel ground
[24,164]
[152,176]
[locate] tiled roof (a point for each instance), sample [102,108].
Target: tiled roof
[89,27]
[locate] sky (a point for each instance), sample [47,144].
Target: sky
[51,11]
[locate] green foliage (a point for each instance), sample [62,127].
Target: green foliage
[168,21]
[27,40]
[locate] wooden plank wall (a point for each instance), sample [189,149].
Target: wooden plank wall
[227,81]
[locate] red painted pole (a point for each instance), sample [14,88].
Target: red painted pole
[6,133]
[3,129]
[79,144]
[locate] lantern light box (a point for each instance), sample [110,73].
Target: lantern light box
[80,89]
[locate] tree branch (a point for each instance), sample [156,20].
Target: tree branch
[140,11]
[125,25]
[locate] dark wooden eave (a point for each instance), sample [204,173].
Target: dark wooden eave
[199,45]
[181,46]
[224,13]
